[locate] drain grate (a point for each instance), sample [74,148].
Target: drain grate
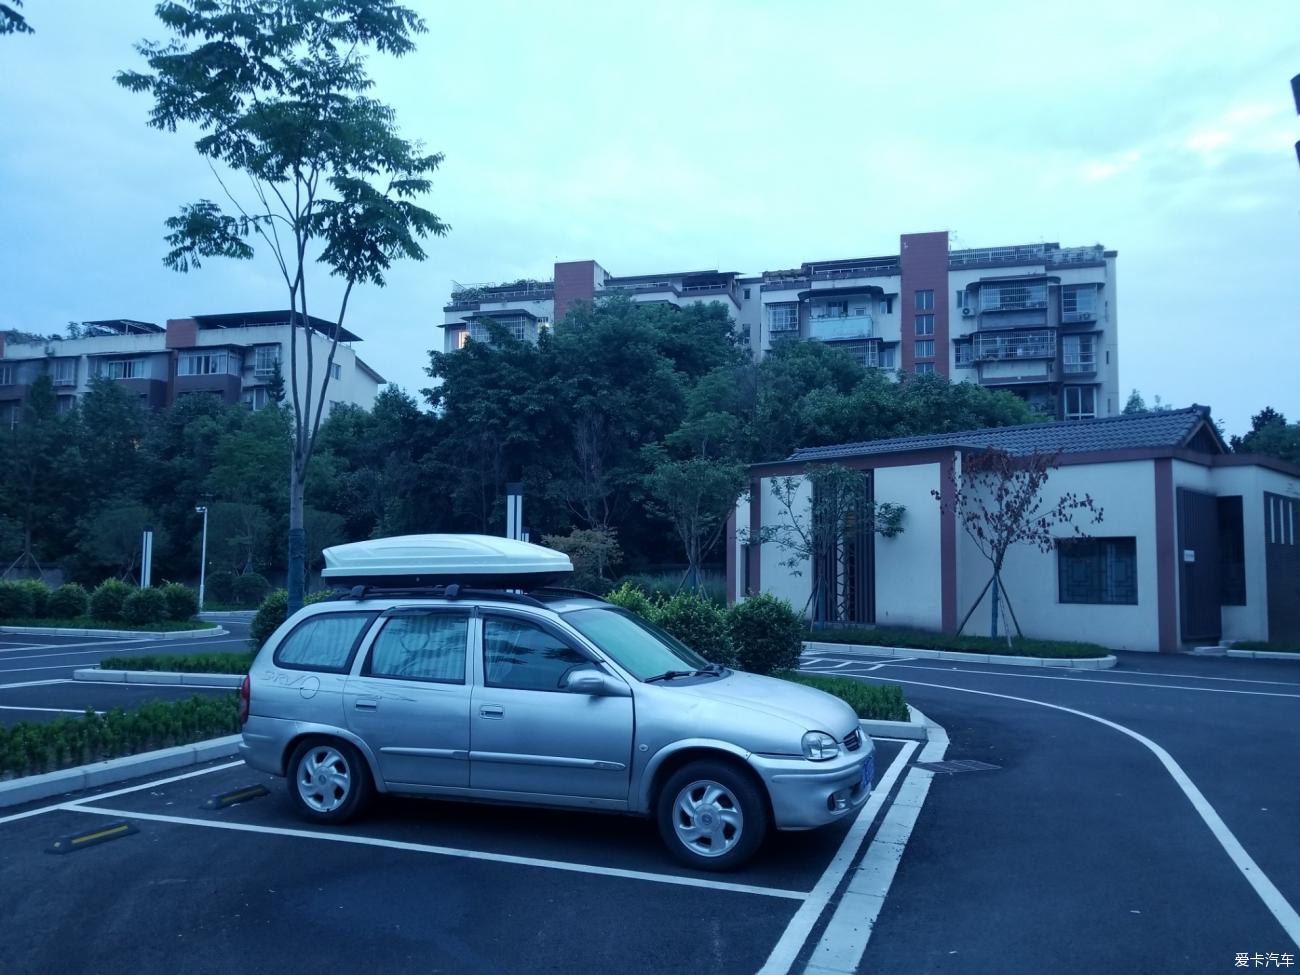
[959,765]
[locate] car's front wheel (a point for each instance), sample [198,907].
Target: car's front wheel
[328,781]
[712,816]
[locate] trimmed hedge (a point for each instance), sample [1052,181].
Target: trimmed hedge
[69,601]
[1266,645]
[273,611]
[15,600]
[880,702]
[144,606]
[90,623]
[29,748]
[183,663]
[182,602]
[700,624]
[107,599]
[220,587]
[767,634]
[881,636]
[250,589]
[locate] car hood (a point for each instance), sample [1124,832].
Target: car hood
[796,704]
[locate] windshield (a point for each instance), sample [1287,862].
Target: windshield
[640,648]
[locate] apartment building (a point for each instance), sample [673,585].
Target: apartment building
[233,357]
[1039,320]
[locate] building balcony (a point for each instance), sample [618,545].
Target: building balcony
[986,347]
[829,328]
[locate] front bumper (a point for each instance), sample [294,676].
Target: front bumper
[807,794]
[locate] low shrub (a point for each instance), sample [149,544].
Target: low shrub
[700,624]
[250,589]
[68,602]
[767,633]
[634,599]
[1267,645]
[107,599]
[272,613]
[879,636]
[15,600]
[144,606]
[183,663]
[881,702]
[182,602]
[29,748]
[39,593]
[219,587]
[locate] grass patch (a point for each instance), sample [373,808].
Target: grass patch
[881,702]
[1266,645]
[87,623]
[29,748]
[881,636]
[183,663]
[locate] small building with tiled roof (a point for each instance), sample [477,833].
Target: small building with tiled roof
[1195,546]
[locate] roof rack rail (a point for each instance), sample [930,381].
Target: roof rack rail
[451,590]
[567,591]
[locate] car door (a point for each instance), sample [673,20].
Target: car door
[410,699]
[529,735]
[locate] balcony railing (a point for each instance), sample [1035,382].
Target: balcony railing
[831,327]
[863,271]
[996,348]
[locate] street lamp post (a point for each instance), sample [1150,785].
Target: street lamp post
[203,554]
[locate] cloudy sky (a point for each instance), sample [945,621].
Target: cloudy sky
[739,135]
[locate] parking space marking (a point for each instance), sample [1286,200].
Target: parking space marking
[37,683]
[792,939]
[58,806]
[135,645]
[447,851]
[19,707]
[1267,891]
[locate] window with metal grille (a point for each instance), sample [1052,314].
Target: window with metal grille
[783,318]
[962,353]
[1079,353]
[6,375]
[1078,303]
[1097,570]
[924,349]
[1003,297]
[265,358]
[1279,519]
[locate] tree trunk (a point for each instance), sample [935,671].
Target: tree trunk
[997,586]
[296,583]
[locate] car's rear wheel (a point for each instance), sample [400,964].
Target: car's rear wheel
[329,781]
[712,816]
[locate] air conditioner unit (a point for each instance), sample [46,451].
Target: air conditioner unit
[967,312]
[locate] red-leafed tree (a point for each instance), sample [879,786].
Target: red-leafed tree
[998,499]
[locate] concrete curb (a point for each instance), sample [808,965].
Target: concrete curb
[914,729]
[119,634]
[33,787]
[1086,663]
[1263,655]
[157,677]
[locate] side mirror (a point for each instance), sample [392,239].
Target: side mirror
[589,680]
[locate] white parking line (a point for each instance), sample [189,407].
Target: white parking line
[447,851]
[136,645]
[796,932]
[1267,891]
[19,707]
[38,683]
[58,806]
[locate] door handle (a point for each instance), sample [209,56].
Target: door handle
[367,704]
[492,711]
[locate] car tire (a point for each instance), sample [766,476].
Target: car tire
[329,781]
[712,816]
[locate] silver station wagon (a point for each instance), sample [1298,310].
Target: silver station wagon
[409,684]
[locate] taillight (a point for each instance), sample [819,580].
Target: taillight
[245,699]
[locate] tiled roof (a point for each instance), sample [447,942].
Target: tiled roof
[1156,428]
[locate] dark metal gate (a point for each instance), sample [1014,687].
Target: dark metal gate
[1282,566]
[1199,586]
[844,574]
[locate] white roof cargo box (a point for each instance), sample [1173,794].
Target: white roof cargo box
[427,560]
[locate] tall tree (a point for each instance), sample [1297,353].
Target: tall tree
[279,89]
[11,21]
[1270,435]
[1135,403]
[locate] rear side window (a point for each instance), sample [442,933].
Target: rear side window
[427,646]
[324,642]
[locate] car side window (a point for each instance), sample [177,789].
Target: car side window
[522,655]
[326,642]
[424,646]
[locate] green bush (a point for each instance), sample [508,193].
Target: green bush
[272,613]
[69,602]
[183,663]
[107,599]
[31,749]
[39,593]
[15,600]
[767,633]
[145,606]
[700,624]
[182,602]
[880,636]
[1269,646]
[219,587]
[881,702]
[250,589]
[635,600]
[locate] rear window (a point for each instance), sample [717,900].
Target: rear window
[326,642]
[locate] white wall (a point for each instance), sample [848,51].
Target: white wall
[774,577]
[908,583]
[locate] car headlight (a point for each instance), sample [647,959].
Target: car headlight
[819,746]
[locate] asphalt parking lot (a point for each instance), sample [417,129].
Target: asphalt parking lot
[36,671]
[415,886]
